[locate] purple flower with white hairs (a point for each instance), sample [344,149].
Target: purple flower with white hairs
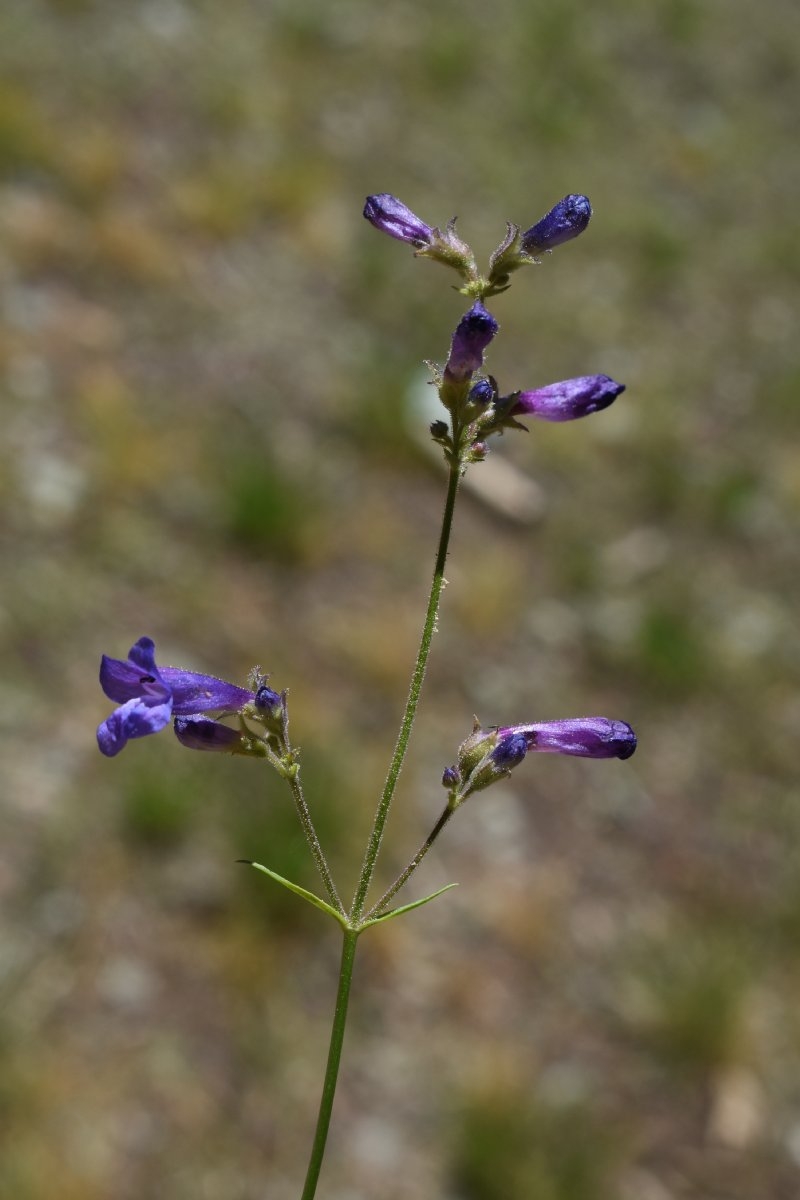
[473,334]
[149,696]
[585,737]
[390,215]
[568,400]
[565,221]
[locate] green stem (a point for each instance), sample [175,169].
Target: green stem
[332,1069]
[418,676]
[313,841]
[412,866]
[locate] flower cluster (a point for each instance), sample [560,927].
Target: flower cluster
[477,409]
[476,406]
[150,696]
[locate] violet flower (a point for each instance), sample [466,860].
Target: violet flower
[565,221]
[568,400]
[473,334]
[488,755]
[390,215]
[149,696]
[585,737]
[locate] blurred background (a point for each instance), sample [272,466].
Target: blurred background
[210,371]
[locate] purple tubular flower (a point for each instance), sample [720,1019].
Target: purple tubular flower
[474,333]
[148,696]
[565,221]
[391,216]
[585,737]
[569,399]
[201,733]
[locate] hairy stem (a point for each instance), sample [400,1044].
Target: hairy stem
[332,1069]
[313,841]
[376,909]
[417,678]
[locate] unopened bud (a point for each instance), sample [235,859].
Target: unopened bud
[564,222]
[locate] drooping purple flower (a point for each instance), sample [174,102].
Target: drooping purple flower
[473,334]
[585,737]
[391,216]
[148,696]
[565,221]
[567,400]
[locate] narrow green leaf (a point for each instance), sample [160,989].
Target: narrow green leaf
[301,891]
[398,912]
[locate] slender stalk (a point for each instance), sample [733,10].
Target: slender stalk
[412,866]
[417,678]
[313,841]
[332,1069]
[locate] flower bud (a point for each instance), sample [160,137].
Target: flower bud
[565,221]
[201,733]
[509,751]
[451,777]
[584,737]
[484,758]
[390,215]
[475,748]
[568,400]
[482,393]
[269,701]
[473,334]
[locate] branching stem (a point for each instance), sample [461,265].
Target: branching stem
[417,678]
[406,874]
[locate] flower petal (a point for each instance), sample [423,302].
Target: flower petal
[194,693]
[135,719]
[124,680]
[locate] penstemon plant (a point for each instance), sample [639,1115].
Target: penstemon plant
[212,715]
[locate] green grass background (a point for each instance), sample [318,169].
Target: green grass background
[206,358]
